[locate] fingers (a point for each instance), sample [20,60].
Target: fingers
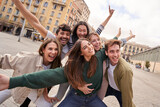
[88,91]
[89,84]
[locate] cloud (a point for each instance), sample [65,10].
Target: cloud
[141,16]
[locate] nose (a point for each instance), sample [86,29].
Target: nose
[53,52]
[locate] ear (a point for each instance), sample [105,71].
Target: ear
[106,52]
[43,50]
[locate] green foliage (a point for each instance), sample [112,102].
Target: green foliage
[147,64]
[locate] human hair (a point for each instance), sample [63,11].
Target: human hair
[64,27]
[111,42]
[90,36]
[75,65]
[57,61]
[74,35]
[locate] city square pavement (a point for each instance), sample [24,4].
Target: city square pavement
[146,85]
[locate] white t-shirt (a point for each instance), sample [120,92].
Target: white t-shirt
[65,48]
[111,77]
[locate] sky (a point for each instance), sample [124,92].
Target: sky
[140,16]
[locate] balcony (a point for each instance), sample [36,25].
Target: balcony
[36,4]
[16,14]
[58,2]
[33,12]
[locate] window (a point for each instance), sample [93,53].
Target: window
[56,23]
[37,2]
[41,18]
[45,4]
[54,6]
[61,8]
[27,6]
[43,11]
[35,9]
[47,27]
[68,11]
[70,4]
[14,18]
[52,13]
[0,15]
[59,15]
[63,1]
[49,21]
[9,10]
[17,12]
[54,30]
[65,18]
[7,16]
[3,9]
[12,4]
[22,20]
[6,2]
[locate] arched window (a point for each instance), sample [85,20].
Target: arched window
[45,4]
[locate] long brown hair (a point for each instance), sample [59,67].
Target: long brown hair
[75,65]
[57,61]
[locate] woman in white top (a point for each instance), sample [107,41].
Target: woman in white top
[49,56]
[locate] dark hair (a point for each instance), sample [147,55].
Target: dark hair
[57,61]
[64,27]
[111,42]
[75,65]
[74,35]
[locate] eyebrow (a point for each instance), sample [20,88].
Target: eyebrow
[84,47]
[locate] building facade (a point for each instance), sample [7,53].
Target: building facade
[50,13]
[79,12]
[132,48]
[152,55]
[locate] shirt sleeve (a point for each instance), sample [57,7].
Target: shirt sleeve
[124,41]
[49,35]
[42,79]
[101,54]
[99,29]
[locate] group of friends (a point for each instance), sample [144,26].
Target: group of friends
[75,59]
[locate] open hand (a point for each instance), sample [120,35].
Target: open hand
[85,89]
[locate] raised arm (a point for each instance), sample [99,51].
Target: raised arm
[111,11]
[119,33]
[33,21]
[103,24]
[131,36]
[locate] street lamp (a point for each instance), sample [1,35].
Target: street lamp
[24,22]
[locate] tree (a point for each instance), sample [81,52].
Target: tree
[147,64]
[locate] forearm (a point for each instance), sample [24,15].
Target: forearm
[40,79]
[106,21]
[33,21]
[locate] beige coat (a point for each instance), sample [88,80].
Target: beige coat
[22,63]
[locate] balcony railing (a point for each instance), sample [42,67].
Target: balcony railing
[59,2]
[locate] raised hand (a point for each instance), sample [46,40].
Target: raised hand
[131,34]
[111,11]
[85,89]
